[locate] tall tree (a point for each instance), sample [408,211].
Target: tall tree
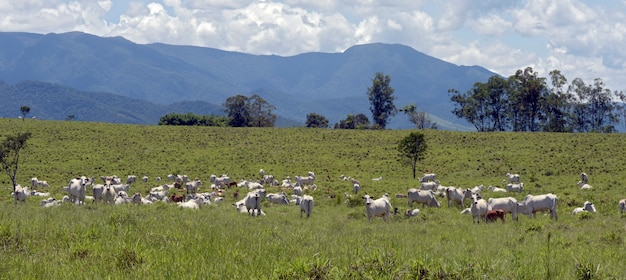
[411,149]
[381,99]
[358,121]
[237,109]
[261,112]
[556,106]
[315,120]
[24,110]
[421,120]
[10,154]
[527,92]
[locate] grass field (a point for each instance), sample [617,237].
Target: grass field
[162,241]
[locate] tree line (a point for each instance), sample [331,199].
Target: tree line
[527,102]
[254,111]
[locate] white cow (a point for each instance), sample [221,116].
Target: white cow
[356,188]
[507,204]
[193,186]
[241,208]
[412,212]
[120,187]
[20,194]
[430,185]
[33,182]
[377,208]
[423,197]
[76,190]
[622,206]
[306,205]
[478,208]
[515,187]
[428,177]
[584,178]
[131,179]
[192,203]
[538,203]
[496,189]
[108,194]
[97,191]
[144,179]
[253,200]
[587,207]
[165,187]
[457,196]
[221,181]
[253,185]
[122,198]
[297,190]
[306,180]
[277,198]
[513,178]
[584,186]
[50,202]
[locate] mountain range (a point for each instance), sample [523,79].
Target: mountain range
[112,79]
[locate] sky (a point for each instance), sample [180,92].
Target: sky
[582,39]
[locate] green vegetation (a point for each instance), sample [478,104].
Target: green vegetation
[161,241]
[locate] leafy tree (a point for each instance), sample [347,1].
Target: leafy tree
[237,110]
[261,112]
[419,119]
[316,120]
[411,149]
[191,119]
[25,110]
[527,92]
[557,105]
[381,99]
[70,117]
[594,109]
[358,121]
[10,154]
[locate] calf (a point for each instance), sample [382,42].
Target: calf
[177,197]
[494,215]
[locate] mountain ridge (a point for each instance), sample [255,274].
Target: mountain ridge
[297,85]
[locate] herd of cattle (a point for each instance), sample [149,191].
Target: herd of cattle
[112,190]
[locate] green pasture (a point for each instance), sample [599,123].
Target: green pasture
[162,241]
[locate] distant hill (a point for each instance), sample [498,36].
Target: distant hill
[330,84]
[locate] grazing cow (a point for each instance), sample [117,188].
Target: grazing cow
[513,178]
[412,212]
[423,197]
[76,190]
[584,178]
[506,204]
[377,208]
[587,207]
[157,178]
[515,187]
[493,215]
[252,201]
[306,205]
[297,190]
[478,208]
[538,203]
[277,198]
[622,206]
[428,177]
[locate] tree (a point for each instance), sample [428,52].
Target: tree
[260,112]
[527,92]
[557,105]
[411,149]
[237,110]
[358,121]
[70,117]
[421,120]
[25,110]
[314,120]
[381,99]
[10,154]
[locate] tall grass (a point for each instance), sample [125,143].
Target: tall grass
[337,242]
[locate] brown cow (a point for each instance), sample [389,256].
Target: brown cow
[177,197]
[493,215]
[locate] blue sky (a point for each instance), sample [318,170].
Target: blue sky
[583,39]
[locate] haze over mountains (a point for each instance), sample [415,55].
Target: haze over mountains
[115,80]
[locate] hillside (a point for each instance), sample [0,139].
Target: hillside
[337,241]
[331,84]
